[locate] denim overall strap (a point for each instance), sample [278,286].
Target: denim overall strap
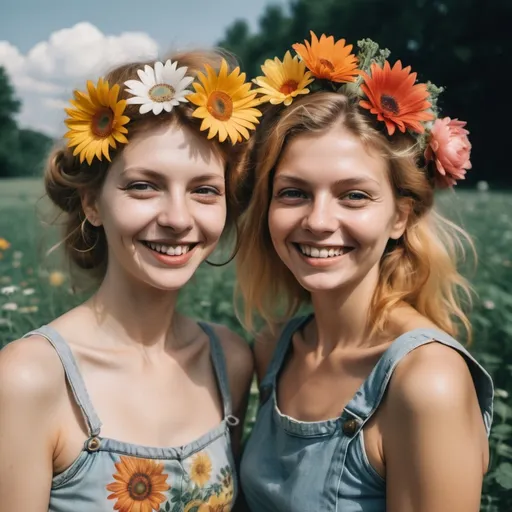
[219,365]
[290,328]
[369,395]
[73,376]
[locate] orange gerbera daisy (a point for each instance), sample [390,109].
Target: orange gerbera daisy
[393,95]
[328,59]
[140,484]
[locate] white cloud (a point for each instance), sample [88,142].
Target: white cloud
[55,103]
[45,77]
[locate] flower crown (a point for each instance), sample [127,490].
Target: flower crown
[390,93]
[225,103]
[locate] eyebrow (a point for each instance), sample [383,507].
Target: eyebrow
[347,181]
[160,175]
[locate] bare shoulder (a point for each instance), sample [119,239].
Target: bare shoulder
[265,344]
[30,373]
[433,378]
[238,354]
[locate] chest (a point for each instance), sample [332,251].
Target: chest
[166,404]
[311,391]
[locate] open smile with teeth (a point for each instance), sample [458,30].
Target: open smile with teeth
[170,250]
[312,251]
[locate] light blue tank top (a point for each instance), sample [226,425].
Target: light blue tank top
[295,466]
[112,475]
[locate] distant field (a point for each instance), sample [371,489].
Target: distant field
[16,191]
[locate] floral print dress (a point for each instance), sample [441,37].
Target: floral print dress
[112,475]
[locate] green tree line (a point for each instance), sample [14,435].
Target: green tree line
[22,151]
[461,45]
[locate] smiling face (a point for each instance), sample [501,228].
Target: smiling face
[332,210]
[162,206]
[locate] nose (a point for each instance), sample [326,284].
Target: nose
[321,216]
[175,213]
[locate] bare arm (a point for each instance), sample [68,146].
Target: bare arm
[435,445]
[31,386]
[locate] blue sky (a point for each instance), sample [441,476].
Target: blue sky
[48,48]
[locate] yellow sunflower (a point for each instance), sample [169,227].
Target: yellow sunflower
[283,81]
[96,122]
[139,486]
[225,103]
[201,469]
[220,503]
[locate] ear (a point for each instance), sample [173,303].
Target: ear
[403,211]
[90,208]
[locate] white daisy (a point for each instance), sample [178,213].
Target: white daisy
[160,87]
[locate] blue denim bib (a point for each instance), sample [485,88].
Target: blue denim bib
[296,466]
[112,475]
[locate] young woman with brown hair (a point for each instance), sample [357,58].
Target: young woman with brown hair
[147,196]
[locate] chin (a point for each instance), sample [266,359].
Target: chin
[321,283]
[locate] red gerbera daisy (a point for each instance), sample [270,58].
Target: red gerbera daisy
[395,98]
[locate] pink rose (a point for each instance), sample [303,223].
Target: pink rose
[449,148]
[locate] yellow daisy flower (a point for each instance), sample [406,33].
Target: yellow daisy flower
[225,103]
[283,81]
[96,122]
[201,469]
[4,244]
[139,485]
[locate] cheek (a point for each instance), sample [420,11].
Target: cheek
[369,225]
[212,219]
[129,216]
[281,222]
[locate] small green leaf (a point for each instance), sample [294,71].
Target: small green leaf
[503,475]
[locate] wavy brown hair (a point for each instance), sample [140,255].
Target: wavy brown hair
[67,180]
[419,269]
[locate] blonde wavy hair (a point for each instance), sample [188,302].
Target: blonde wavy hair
[419,269]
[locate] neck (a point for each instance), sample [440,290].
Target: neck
[342,315]
[134,313]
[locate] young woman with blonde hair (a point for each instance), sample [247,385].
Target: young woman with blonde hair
[367,404]
[122,403]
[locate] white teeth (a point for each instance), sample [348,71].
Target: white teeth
[315,252]
[170,250]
